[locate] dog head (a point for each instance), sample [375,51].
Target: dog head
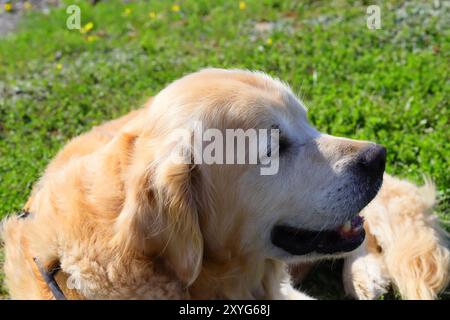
[304,207]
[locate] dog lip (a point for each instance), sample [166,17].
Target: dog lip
[298,241]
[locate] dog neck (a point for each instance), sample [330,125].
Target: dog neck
[244,277]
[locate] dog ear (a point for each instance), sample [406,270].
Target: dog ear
[182,196]
[161,213]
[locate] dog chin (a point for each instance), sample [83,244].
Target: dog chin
[330,241]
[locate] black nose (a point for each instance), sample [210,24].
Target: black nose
[372,160]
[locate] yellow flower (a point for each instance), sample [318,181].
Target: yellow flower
[27,5]
[59,66]
[152,15]
[175,8]
[91,38]
[87,27]
[127,12]
[269,41]
[242,5]
[8,6]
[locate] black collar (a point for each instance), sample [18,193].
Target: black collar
[48,276]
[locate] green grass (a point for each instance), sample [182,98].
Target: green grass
[3,292]
[390,85]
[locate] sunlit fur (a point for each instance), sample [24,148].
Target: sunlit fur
[405,245]
[124,221]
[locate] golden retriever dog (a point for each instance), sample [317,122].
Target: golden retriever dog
[121,219]
[405,247]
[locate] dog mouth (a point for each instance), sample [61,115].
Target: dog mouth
[346,237]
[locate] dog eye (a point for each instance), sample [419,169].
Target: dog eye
[283,142]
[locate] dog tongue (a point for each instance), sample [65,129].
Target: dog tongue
[351,227]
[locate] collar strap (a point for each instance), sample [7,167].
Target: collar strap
[49,278]
[23,214]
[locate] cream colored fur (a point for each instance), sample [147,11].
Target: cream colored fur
[405,246]
[126,222]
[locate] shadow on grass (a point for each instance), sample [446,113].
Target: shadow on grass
[325,282]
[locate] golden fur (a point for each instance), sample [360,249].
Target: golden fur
[117,236]
[405,246]
[126,222]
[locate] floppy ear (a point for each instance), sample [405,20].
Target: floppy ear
[182,198]
[161,213]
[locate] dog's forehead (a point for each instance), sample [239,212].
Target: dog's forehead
[236,98]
